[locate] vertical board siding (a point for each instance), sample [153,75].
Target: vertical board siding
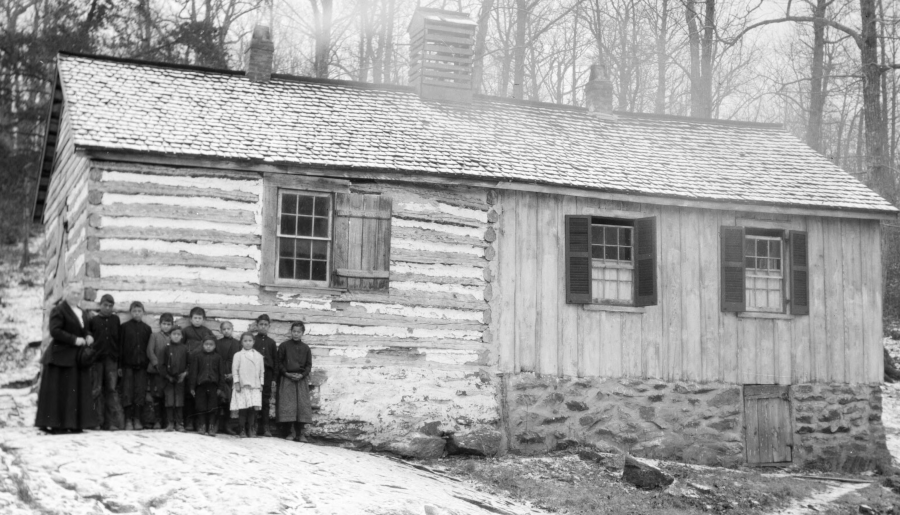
[834,300]
[691,309]
[819,356]
[505,328]
[854,348]
[686,336]
[549,245]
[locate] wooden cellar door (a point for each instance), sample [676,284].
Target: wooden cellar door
[767,424]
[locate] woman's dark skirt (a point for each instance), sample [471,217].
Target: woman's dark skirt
[64,399]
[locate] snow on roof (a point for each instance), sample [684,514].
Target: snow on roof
[155,108]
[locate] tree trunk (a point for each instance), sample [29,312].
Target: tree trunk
[662,59]
[323,36]
[882,179]
[388,41]
[694,47]
[362,67]
[519,50]
[708,53]
[816,86]
[484,18]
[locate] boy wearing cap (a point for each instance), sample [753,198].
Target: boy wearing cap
[104,328]
[269,349]
[133,361]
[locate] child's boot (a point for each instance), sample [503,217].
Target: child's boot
[298,435]
[129,426]
[170,419]
[253,425]
[179,421]
[137,419]
[242,424]
[213,422]
[265,423]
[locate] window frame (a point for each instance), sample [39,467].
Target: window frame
[601,263]
[280,192]
[769,235]
[273,185]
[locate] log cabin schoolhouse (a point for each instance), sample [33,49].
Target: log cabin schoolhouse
[478,274]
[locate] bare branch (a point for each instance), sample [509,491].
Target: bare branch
[853,33]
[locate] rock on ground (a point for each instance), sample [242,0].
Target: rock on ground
[644,475]
[174,473]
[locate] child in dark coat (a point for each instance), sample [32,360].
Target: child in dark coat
[294,365]
[268,349]
[134,336]
[156,376]
[194,335]
[207,380]
[175,367]
[227,347]
[104,328]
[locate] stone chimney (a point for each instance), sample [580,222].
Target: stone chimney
[259,55]
[441,46]
[598,94]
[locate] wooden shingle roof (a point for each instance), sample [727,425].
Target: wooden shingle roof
[153,108]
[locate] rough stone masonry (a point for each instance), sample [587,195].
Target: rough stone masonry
[834,427]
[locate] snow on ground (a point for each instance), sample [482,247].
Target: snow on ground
[174,473]
[21,313]
[891,406]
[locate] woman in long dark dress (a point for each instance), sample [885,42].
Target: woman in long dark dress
[64,398]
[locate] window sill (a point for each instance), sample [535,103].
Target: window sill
[315,290]
[613,308]
[763,314]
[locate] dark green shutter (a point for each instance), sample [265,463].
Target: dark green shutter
[799,273]
[578,259]
[645,293]
[731,242]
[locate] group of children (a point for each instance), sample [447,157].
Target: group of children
[180,376]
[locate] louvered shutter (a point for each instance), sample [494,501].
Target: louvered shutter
[799,273]
[578,259]
[732,248]
[645,293]
[361,252]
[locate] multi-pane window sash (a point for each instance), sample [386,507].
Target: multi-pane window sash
[612,271]
[304,235]
[764,266]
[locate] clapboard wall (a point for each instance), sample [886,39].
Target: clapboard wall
[175,238]
[685,336]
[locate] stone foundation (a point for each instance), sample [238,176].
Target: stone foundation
[835,427]
[649,418]
[838,427]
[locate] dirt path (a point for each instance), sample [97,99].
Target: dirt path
[818,502]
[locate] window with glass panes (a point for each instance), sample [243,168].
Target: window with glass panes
[304,235]
[764,268]
[612,270]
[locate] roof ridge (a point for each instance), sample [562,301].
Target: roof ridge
[144,62]
[694,119]
[344,82]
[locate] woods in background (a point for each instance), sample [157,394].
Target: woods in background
[826,69]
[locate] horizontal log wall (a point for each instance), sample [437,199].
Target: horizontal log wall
[686,336]
[175,238]
[65,215]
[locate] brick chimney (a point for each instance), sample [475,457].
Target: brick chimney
[441,46]
[598,94]
[259,55]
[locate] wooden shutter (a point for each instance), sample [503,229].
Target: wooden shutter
[799,273]
[645,262]
[731,242]
[361,252]
[578,259]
